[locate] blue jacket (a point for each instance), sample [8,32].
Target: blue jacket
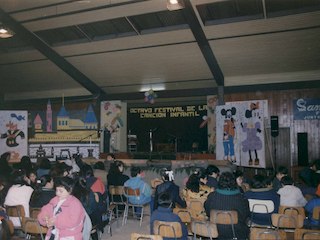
[145,190]
[166,214]
[315,202]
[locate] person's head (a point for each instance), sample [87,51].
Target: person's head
[164,200]
[203,177]
[281,172]
[286,180]
[110,157]
[19,177]
[32,176]
[86,171]
[316,165]
[193,183]
[227,181]
[66,169]
[46,181]
[213,171]
[166,174]
[4,159]
[44,163]
[64,187]
[258,181]
[25,163]
[239,177]
[135,171]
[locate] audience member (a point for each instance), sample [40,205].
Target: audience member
[169,187]
[213,174]
[290,195]
[44,167]
[26,164]
[5,169]
[44,193]
[19,194]
[260,191]
[110,159]
[228,197]
[238,175]
[311,204]
[281,172]
[311,176]
[64,215]
[97,185]
[32,178]
[164,213]
[115,175]
[100,172]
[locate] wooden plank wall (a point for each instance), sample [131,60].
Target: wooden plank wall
[280,103]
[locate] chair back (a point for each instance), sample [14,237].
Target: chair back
[223,217]
[167,229]
[316,213]
[31,226]
[196,205]
[306,234]
[34,212]
[204,229]
[267,234]
[292,210]
[138,236]
[286,221]
[16,211]
[261,206]
[184,215]
[116,191]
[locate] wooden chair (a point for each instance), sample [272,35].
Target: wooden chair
[167,229]
[259,206]
[132,193]
[138,236]
[287,222]
[196,209]
[117,199]
[204,229]
[306,234]
[31,226]
[224,217]
[267,234]
[16,212]
[185,217]
[316,213]
[34,212]
[292,210]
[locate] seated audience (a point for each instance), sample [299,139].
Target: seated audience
[315,202]
[311,176]
[32,178]
[243,187]
[115,175]
[110,159]
[290,195]
[281,172]
[64,215]
[44,166]
[213,174]
[164,213]
[260,191]
[170,187]
[228,197]
[44,193]
[19,194]
[86,172]
[25,164]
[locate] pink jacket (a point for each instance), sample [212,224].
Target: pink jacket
[69,221]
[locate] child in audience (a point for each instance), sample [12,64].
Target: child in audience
[315,202]
[281,172]
[290,195]
[213,174]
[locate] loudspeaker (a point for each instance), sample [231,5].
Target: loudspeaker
[274,126]
[106,140]
[303,156]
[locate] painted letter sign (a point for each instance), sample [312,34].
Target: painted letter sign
[306,109]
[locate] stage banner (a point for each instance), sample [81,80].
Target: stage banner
[14,133]
[306,109]
[210,119]
[113,124]
[240,132]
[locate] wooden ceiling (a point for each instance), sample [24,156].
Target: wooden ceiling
[113,48]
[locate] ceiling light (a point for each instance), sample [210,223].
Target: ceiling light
[175,5]
[154,87]
[5,32]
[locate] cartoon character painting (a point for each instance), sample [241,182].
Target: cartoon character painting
[252,128]
[229,133]
[12,134]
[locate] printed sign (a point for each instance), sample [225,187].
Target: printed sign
[306,109]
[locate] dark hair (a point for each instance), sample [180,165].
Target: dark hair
[65,182]
[286,180]
[227,181]
[164,174]
[111,155]
[18,177]
[282,170]
[114,167]
[316,163]
[193,183]
[86,171]
[44,179]
[258,181]
[164,200]
[45,163]
[81,191]
[237,174]
[25,163]
[134,171]
[4,159]
[99,165]
[212,169]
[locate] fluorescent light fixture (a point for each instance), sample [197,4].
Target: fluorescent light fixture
[154,87]
[5,32]
[175,5]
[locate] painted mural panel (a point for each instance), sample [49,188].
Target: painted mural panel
[240,132]
[14,133]
[211,122]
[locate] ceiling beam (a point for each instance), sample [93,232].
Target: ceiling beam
[203,43]
[31,38]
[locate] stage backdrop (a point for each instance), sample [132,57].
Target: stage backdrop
[240,132]
[181,125]
[14,133]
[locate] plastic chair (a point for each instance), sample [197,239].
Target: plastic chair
[292,210]
[204,229]
[138,236]
[306,234]
[316,213]
[185,217]
[259,206]
[167,229]
[196,209]
[31,227]
[117,192]
[16,211]
[34,212]
[132,193]
[267,234]
[224,217]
